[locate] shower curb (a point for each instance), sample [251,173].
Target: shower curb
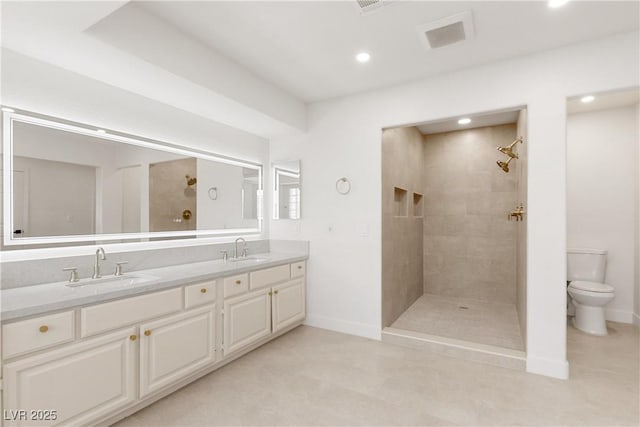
[459,349]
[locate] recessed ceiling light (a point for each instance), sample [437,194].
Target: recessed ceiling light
[587,99]
[101,131]
[553,4]
[363,57]
[464,121]
[8,110]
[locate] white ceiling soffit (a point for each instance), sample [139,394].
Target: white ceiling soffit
[477,121]
[604,101]
[171,69]
[307,47]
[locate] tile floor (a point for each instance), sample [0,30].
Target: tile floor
[316,377]
[481,322]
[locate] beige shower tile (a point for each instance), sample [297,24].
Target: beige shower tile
[478,181]
[489,247]
[503,182]
[478,225]
[445,245]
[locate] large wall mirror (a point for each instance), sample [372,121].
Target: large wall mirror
[67,183]
[286,189]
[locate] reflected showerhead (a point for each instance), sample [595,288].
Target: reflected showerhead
[504,165]
[191,181]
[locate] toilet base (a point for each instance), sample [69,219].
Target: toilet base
[590,319]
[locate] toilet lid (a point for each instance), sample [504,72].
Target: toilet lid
[591,286]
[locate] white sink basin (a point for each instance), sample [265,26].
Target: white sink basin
[115,281]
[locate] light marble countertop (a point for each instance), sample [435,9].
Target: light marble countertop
[38,299]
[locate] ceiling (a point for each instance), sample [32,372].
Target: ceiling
[477,121]
[307,48]
[255,65]
[604,101]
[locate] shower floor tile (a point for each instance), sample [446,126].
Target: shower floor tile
[480,322]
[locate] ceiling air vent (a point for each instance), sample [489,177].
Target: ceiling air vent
[366,6]
[446,31]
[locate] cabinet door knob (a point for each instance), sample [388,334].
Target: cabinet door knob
[238,282]
[132,337]
[270,293]
[203,290]
[275,292]
[44,328]
[147,332]
[299,267]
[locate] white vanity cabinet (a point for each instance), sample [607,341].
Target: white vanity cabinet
[80,382]
[175,346]
[92,364]
[247,319]
[278,303]
[288,304]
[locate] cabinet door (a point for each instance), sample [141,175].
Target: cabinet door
[81,382]
[247,318]
[288,304]
[175,346]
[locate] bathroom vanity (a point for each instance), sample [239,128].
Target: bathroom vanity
[93,352]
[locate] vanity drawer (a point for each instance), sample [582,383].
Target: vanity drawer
[200,293]
[298,269]
[269,276]
[124,312]
[236,285]
[34,334]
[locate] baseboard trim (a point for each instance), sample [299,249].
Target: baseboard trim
[636,319]
[344,326]
[548,367]
[621,316]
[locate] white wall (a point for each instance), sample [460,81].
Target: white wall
[601,189]
[344,140]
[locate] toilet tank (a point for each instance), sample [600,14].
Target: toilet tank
[586,264]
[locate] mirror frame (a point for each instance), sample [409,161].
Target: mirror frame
[36,119]
[277,171]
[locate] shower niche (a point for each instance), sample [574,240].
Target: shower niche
[400,207]
[458,269]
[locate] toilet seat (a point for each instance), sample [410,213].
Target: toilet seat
[591,286]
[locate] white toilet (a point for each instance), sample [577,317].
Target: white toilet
[589,294]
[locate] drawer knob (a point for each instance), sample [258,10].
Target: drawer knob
[203,290]
[132,337]
[238,282]
[44,328]
[299,267]
[147,332]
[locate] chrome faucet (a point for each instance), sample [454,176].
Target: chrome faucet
[100,255]
[244,247]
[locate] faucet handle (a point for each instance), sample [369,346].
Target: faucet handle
[245,252]
[119,268]
[225,255]
[73,277]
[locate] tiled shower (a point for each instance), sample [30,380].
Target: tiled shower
[453,256]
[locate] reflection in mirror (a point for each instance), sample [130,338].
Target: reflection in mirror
[76,184]
[286,189]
